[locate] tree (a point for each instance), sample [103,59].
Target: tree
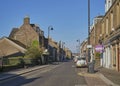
[34,52]
[97,55]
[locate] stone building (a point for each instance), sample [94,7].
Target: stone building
[94,37]
[54,50]
[83,48]
[108,4]
[110,37]
[106,32]
[11,48]
[27,33]
[68,54]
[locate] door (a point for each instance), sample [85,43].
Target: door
[119,58]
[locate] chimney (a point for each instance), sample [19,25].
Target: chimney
[27,20]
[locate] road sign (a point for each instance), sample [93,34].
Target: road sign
[89,46]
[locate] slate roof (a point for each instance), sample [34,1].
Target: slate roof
[9,47]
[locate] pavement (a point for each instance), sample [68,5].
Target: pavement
[103,76]
[18,72]
[111,77]
[93,79]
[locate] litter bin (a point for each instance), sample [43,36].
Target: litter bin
[91,67]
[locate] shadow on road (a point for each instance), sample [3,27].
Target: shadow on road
[16,80]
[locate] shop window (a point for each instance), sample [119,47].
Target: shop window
[114,57]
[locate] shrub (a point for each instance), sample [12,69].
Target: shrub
[97,55]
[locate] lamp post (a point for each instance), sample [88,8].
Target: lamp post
[79,45]
[63,50]
[88,30]
[90,64]
[63,47]
[49,28]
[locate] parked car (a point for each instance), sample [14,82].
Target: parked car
[75,60]
[81,62]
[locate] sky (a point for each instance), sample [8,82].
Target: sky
[69,18]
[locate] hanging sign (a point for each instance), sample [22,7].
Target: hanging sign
[99,48]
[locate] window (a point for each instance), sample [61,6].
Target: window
[111,20]
[117,14]
[107,25]
[114,56]
[103,28]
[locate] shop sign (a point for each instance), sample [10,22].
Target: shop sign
[99,48]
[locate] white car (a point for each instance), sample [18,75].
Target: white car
[75,60]
[81,62]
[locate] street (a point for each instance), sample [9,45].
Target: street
[63,74]
[60,43]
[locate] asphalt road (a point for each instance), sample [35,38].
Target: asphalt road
[64,74]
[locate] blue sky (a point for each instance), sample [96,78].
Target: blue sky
[68,17]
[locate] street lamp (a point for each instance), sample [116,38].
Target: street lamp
[90,65]
[63,47]
[63,50]
[79,45]
[88,30]
[49,28]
